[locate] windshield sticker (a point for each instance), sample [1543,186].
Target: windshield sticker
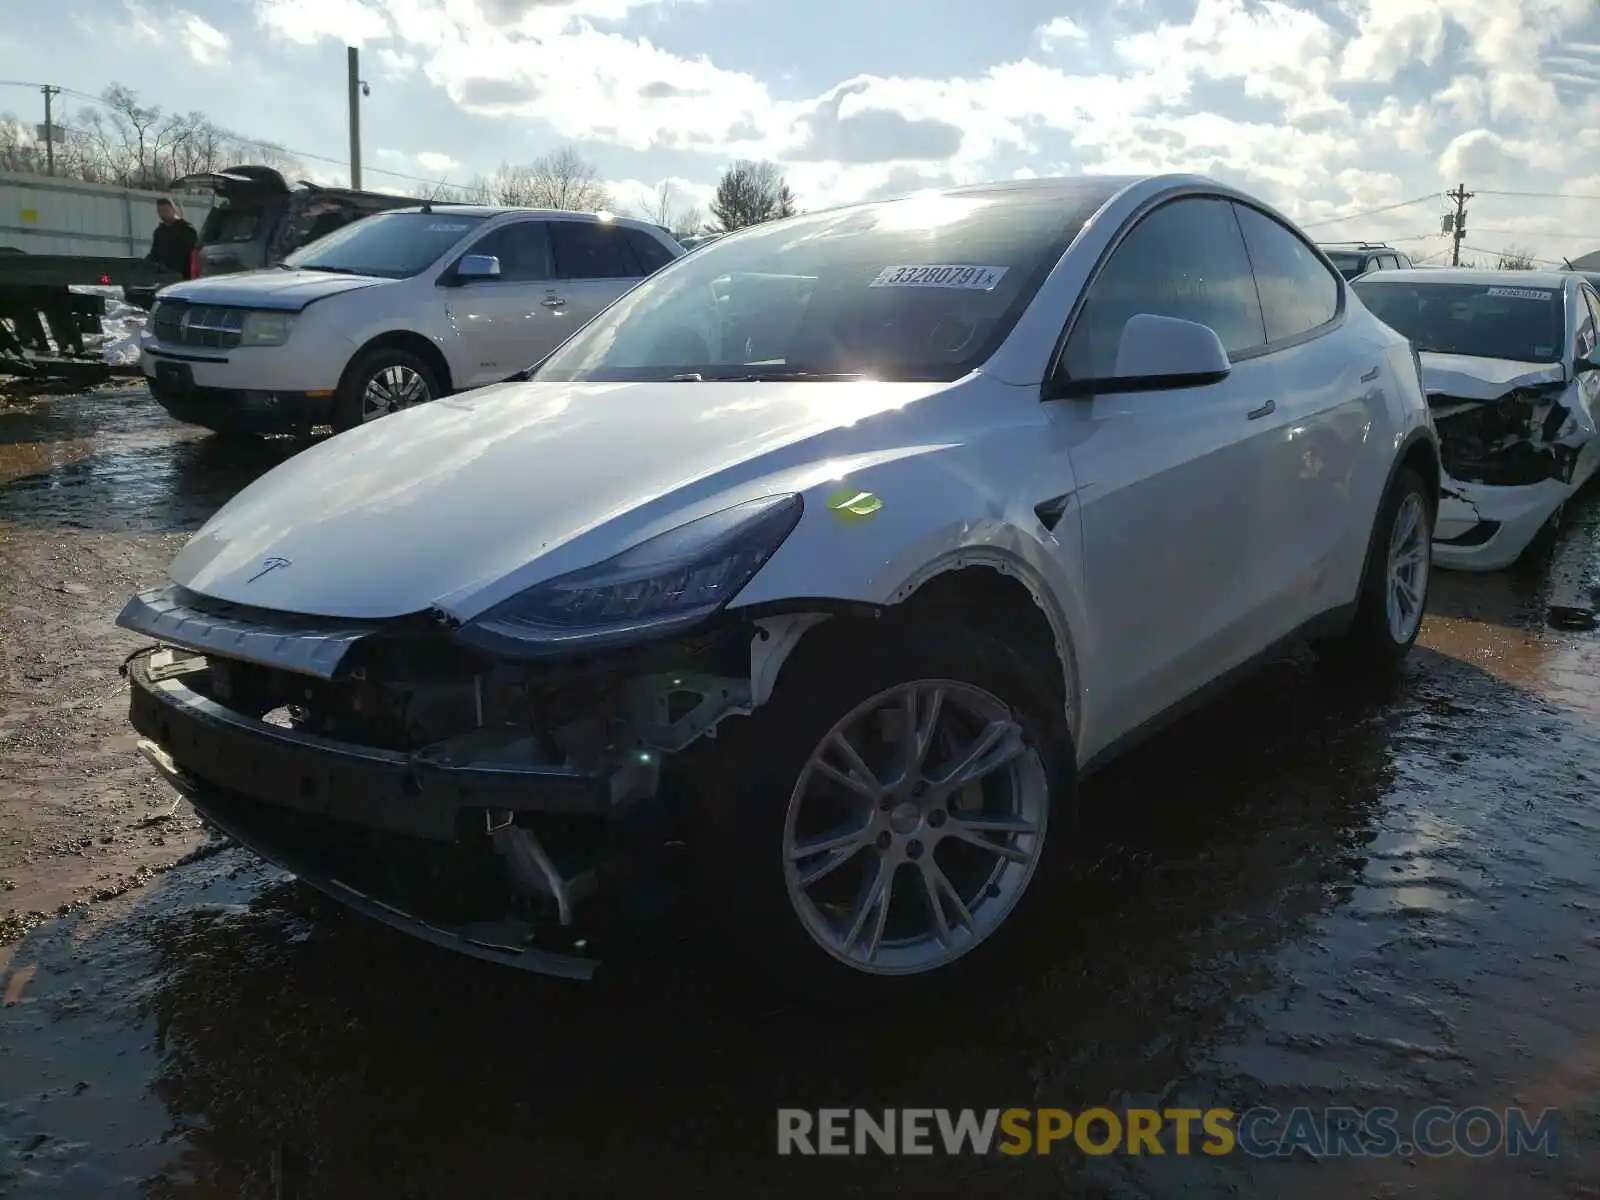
[448,228]
[941,275]
[1513,293]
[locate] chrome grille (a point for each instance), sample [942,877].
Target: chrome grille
[203,325]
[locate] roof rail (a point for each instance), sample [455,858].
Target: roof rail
[1360,245]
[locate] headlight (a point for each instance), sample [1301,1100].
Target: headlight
[674,580]
[266,328]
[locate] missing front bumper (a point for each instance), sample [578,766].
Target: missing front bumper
[379,789]
[454,849]
[507,941]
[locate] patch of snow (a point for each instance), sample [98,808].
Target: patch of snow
[118,340]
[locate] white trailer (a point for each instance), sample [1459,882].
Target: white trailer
[44,214]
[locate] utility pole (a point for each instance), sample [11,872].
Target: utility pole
[1460,196]
[49,130]
[353,58]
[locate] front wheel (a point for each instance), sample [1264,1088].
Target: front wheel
[892,817]
[1394,587]
[380,382]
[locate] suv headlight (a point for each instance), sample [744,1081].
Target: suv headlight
[266,328]
[669,582]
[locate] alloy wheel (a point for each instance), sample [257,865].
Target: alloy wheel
[391,389]
[915,827]
[1407,576]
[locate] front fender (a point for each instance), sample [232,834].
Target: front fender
[879,533]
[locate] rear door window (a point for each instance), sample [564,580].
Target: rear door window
[1298,293]
[591,250]
[648,253]
[523,248]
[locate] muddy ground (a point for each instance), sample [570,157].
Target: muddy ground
[1382,894]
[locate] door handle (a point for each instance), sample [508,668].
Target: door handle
[1271,406]
[553,301]
[1370,375]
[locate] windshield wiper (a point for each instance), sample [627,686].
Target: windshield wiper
[331,270]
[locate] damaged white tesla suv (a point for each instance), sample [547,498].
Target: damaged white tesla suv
[1512,378]
[805,581]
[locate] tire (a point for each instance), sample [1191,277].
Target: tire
[1373,642]
[350,407]
[740,821]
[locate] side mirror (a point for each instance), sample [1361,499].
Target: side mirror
[476,267]
[1158,354]
[1585,363]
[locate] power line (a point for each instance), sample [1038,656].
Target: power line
[1549,262]
[1371,212]
[256,143]
[1539,195]
[1534,233]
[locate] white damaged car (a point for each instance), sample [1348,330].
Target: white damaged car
[817,569]
[1513,377]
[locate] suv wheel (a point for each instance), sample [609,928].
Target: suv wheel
[891,818]
[380,382]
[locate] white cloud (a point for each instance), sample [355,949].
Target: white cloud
[206,43]
[436,163]
[1391,34]
[202,41]
[1059,32]
[1278,52]
[1320,127]
[309,21]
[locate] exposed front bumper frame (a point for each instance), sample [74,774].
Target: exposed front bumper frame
[506,951]
[379,789]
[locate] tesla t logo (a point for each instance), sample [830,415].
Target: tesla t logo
[269,565]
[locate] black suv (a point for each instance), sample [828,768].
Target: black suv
[1357,258]
[257,218]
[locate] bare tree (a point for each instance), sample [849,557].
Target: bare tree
[19,149]
[445,192]
[664,209]
[1514,258]
[749,193]
[131,144]
[562,179]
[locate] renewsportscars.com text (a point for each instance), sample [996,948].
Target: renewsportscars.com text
[1257,1132]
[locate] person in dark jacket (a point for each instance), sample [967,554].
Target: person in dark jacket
[174,240]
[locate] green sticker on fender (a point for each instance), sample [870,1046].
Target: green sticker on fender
[851,505]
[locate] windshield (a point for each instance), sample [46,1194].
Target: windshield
[1347,264]
[921,288]
[388,245]
[1520,323]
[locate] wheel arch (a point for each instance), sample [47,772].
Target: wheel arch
[978,585]
[413,343]
[1419,451]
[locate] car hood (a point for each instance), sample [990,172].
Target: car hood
[428,507]
[272,288]
[1466,377]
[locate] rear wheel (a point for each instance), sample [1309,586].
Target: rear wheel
[1394,587]
[891,818]
[379,382]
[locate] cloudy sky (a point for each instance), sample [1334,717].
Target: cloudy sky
[1325,108]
